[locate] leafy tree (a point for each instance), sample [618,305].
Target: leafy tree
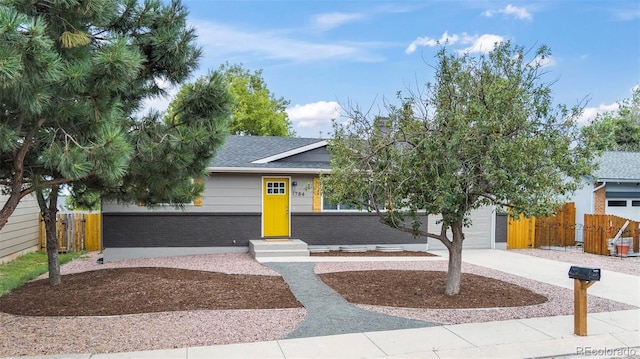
[619,130]
[484,133]
[72,76]
[256,111]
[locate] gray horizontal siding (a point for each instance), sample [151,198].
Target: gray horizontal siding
[21,231]
[237,193]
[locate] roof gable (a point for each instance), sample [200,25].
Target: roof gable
[262,153]
[292,152]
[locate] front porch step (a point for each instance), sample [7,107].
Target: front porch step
[384,248]
[271,249]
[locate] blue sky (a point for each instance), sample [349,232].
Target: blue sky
[321,55]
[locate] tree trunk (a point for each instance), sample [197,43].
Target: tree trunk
[17,179]
[454,271]
[52,250]
[49,214]
[8,208]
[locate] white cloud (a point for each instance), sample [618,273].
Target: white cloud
[548,61]
[510,10]
[317,115]
[626,13]
[518,12]
[332,20]
[483,44]
[226,41]
[590,113]
[427,41]
[159,103]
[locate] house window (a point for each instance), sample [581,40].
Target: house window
[635,203]
[331,206]
[617,203]
[327,205]
[276,187]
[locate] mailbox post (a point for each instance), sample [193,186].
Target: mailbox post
[583,278]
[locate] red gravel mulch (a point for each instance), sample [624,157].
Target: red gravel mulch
[425,289]
[144,290]
[374,254]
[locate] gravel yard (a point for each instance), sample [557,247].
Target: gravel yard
[628,265]
[20,335]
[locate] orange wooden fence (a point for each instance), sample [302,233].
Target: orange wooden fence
[558,230]
[76,232]
[521,233]
[598,228]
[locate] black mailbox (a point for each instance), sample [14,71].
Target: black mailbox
[584,273]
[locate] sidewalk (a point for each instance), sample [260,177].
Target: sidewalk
[611,334]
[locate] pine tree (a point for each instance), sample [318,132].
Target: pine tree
[73,75]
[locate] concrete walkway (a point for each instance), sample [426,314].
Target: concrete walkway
[327,312]
[611,334]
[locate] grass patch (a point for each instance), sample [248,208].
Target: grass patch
[25,268]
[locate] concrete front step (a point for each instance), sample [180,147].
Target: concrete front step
[269,249]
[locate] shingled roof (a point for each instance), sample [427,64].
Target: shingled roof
[260,153]
[619,166]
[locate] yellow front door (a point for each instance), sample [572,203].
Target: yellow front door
[275,207]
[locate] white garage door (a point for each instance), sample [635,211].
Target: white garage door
[480,235]
[625,208]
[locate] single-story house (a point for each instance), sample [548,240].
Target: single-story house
[258,188]
[614,188]
[20,234]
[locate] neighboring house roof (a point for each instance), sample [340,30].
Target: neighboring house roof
[269,154]
[619,166]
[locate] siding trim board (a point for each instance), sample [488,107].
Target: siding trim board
[622,195]
[260,170]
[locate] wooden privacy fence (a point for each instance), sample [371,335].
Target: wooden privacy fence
[558,230]
[521,232]
[598,228]
[76,232]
